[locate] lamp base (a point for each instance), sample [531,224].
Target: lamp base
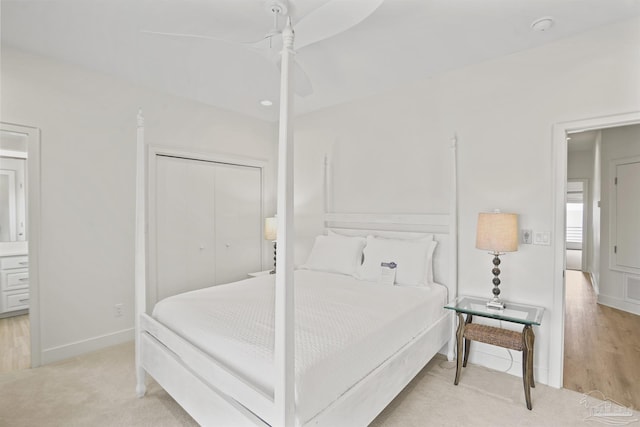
[275,254]
[495,304]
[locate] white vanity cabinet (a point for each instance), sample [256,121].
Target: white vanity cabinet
[14,283]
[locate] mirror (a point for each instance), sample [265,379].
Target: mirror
[13,192]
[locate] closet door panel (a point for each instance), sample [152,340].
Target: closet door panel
[238,222]
[185,209]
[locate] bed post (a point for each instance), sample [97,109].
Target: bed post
[453,235]
[140,252]
[284,386]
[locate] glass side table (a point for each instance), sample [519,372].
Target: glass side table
[527,315]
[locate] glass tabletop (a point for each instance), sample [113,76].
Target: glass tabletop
[518,313]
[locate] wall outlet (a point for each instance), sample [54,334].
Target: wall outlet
[117,310]
[542,238]
[526,236]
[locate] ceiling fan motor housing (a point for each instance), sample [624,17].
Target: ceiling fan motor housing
[277,7]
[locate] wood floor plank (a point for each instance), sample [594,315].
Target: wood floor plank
[15,343]
[601,345]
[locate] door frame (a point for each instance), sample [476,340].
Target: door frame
[559,152]
[33,229]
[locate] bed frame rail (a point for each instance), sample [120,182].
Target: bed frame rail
[357,407]
[206,368]
[202,401]
[427,223]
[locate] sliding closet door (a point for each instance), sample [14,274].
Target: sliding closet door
[185,228]
[208,223]
[238,222]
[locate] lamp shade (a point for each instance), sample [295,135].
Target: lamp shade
[270,228]
[497,232]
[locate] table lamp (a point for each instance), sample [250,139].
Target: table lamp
[498,233]
[271,233]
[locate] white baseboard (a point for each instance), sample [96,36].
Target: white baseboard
[594,284]
[620,304]
[502,362]
[77,348]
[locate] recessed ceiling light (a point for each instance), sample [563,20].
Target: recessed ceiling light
[542,24]
[266,103]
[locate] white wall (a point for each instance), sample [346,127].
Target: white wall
[580,165]
[88,124]
[617,143]
[391,154]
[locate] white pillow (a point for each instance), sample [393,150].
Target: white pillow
[413,257]
[335,254]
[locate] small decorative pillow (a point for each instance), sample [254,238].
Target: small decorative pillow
[335,254]
[413,259]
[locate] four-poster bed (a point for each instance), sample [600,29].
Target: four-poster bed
[216,387]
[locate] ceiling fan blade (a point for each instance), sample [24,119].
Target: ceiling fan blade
[332,18]
[202,36]
[302,82]
[193,36]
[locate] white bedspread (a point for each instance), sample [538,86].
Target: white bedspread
[344,329]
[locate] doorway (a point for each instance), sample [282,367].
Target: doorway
[19,237]
[562,132]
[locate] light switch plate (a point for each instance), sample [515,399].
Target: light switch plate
[542,238]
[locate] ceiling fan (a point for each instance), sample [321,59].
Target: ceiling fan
[325,20]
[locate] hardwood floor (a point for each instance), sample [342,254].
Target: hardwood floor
[14,343]
[601,345]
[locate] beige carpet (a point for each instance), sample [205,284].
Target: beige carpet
[98,390]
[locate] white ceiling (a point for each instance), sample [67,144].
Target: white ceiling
[402,41]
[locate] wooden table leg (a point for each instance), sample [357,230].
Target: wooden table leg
[459,348]
[467,343]
[529,342]
[527,363]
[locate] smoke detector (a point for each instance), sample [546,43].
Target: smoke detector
[542,24]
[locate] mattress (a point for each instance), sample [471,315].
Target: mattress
[344,329]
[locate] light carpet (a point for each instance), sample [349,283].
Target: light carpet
[97,389]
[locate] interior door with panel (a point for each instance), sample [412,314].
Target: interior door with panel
[185,231]
[627,216]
